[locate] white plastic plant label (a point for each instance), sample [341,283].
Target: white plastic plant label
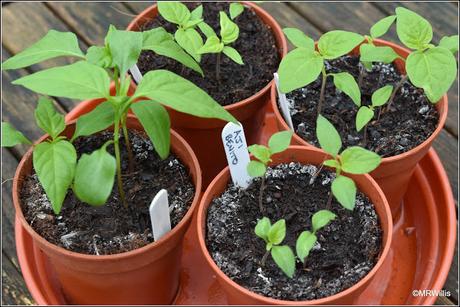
[236,150]
[136,73]
[159,215]
[282,100]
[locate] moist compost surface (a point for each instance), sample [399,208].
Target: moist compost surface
[410,120]
[346,250]
[257,47]
[111,228]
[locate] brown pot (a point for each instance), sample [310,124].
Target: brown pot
[394,173]
[148,275]
[239,295]
[204,135]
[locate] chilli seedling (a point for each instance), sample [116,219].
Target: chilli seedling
[273,235]
[353,160]
[277,143]
[304,64]
[236,9]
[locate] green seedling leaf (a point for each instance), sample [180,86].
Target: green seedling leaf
[262,228]
[299,68]
[332,163]
[304,244]
[279,141]
[236,9]
[233,54]
[212,45]
[94,176]
[261,152]
[206,29]
[277,232]
[191,41]
[48,119]
[229,31]
[347,84]
[125,48]
[285,259]
[371,53]
[53,44]
[256,169]
[299,39]
[363,117]
[450,42]
[99,56]
[344,190]
[180,94]
[12,137]
[155,120]
[334,44]
[434,70]
[381,96]
[382,26]
[357,160]
[197,13]
[97,120]
[328,137]
[321,219]
[174,12]
[192,23]
[162,43]
[55,165]
[80,80]
[413,30]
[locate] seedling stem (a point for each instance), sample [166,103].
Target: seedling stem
[323,87]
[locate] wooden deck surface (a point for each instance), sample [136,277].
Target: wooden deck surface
[25,23]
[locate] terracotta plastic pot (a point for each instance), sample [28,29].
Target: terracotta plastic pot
[394,173]
[148,275]
[204,135]
[239,295]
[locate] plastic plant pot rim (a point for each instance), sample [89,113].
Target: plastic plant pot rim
[201,216]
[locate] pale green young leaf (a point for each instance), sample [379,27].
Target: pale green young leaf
[277,232]
[99,56]
[236,9]
[80,80]
[285,259]
[12,137]
[191,41]
[304,244]
[262,228]
[434,70]
[197,13]
[256,169]
[299,39]
[280,141]
[382,26]
[55,164]
[450,42]
[48,119]
[233,54]
[331,163]
[371,53]
[381,96]
[344,190]
[334,44]
[413,30]
[155,120]
[162,43]
[192,23]
[321,219]
[212,45]
[229,31]
[174,12]
[327,135]
[206,29]
[125,48]
[363,117]
[299,68]
[180,94]
[53,44]
[357,160]
[347,84]
[101,118]
[261,152]
[94,176]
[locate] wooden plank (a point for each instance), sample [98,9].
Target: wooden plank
[9,164]
[14,290]
[447,148]
[452,279]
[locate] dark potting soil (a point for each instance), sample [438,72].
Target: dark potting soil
[111,228]
[257,47]
[347,249]
[411,119]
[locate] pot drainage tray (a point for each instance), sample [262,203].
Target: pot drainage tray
[420,255]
